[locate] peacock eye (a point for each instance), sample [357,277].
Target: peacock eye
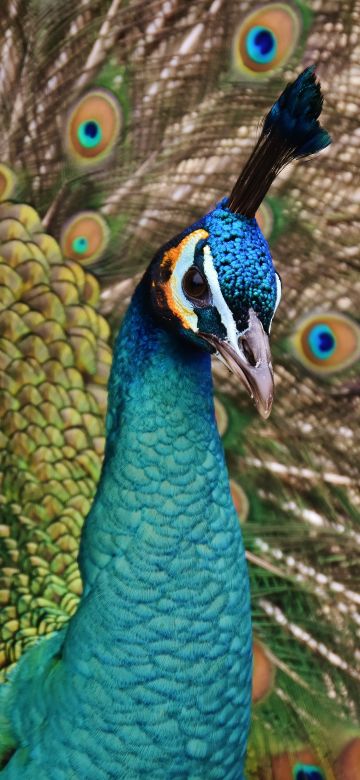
[195,286]
[93,127]
[266,39]
[84,237]
[327,342]
[307,772]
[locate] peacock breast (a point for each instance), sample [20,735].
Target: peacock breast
[166,641]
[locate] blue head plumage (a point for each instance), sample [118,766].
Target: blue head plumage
[215,282]
[244,265]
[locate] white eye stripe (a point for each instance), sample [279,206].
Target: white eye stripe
[226,315]
[183,264]
[278,297]
[278,291]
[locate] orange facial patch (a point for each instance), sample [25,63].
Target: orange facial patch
[174,265]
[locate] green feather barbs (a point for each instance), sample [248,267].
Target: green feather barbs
[93,128]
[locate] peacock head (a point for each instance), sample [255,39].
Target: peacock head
[215,282]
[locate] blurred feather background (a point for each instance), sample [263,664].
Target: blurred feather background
[121,122]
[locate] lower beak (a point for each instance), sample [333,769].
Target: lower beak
[250,360]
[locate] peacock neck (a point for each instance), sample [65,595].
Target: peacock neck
[158,368]
[163,631]
[160,429]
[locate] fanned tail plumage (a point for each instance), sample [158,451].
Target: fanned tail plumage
[184,85]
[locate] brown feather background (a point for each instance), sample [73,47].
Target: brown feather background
[188,115]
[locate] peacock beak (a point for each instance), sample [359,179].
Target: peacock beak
[249,358]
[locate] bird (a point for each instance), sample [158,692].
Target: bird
[181,113]
[153,672]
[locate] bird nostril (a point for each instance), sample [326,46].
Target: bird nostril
[250,357]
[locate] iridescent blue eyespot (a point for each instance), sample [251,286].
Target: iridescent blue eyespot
[266,38]
[89,134]
[322,341]
[326,342]
[80,245]
[307,772]
[93,127]
[84,237]
[261,44]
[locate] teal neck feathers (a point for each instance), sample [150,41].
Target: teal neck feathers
[163,562]
[160,426]
[154,675]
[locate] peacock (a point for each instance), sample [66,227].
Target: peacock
[121,124]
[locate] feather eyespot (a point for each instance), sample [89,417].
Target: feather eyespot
[303,764]
[85,237]
[348,761]
[93,127]
[308,772]
[266,39]
[326,342]
[7,182]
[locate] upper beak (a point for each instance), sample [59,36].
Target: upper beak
[250,360]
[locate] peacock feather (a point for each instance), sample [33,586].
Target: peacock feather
[183,87]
